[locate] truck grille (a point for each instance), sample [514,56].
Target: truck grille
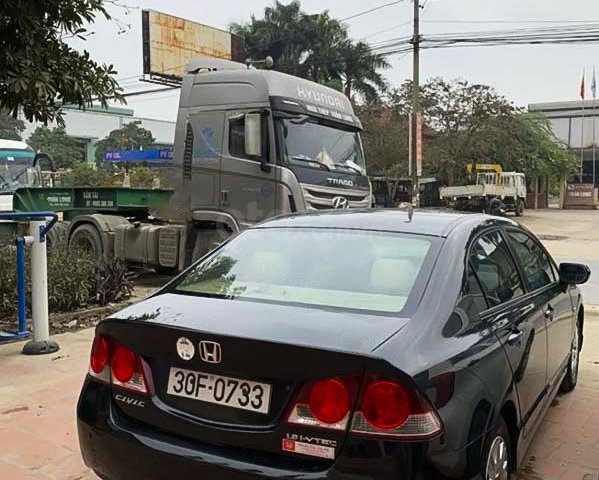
[321,198]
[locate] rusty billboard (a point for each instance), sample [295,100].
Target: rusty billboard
[170,42]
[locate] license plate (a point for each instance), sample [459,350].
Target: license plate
[226,391]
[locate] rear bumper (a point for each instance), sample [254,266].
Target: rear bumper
[115,449]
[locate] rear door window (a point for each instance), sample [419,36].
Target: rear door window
[492,262]
[533,259]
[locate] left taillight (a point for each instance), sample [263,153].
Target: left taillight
[113,363]
[324,404]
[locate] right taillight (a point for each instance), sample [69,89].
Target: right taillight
[385,409]
[114,363]
[393,410]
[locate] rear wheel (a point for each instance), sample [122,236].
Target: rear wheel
[571,379]
[87,238]
[496,460]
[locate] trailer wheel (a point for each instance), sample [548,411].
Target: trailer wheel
[87,238]
[519,208]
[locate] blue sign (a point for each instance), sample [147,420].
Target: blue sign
[164,155]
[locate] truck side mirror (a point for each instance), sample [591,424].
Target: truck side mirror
[253,135]
[253,139]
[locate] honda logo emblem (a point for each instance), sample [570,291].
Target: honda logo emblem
[210,352]
[340,202]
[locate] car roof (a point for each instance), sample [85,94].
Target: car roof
[423,222]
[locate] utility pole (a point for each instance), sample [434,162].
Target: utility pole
[415,138]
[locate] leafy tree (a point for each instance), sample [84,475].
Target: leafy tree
[360,71]
[316,47]
[142,177]
[86,175]
[39,71]
[463,123]
[10,128]
[64,149]
[385,138]
[129,137]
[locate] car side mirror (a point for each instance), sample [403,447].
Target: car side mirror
[574,273]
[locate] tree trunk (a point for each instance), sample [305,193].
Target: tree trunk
[562,190]
[536,183]
[450,175]
[348,88]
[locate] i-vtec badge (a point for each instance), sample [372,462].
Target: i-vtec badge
[340,181]
[134,402]
[310,446]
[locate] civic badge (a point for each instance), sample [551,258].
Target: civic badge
[185,348]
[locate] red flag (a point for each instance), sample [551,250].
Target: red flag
[582,89]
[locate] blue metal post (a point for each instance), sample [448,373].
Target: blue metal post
[21,291]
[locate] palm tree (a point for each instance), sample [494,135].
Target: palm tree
[315,47]
[360,71]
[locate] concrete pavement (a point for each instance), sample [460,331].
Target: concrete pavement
[38,395]
[570,236]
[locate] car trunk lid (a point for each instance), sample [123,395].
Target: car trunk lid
[274,348]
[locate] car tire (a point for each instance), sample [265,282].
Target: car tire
[571,379]
[87,238]
[497,455]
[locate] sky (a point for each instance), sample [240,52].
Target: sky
[524,74]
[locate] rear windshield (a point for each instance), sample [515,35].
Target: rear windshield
[349,269]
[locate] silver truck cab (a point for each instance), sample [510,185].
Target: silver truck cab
[251,144]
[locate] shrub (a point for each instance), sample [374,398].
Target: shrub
[142,177]
[75,280]
[86,175]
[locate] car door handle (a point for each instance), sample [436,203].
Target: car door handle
[515,336]
[549,312]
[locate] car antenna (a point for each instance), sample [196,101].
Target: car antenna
[409,207]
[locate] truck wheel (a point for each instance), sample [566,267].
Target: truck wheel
[87,238]
[207,240]
[519,208]
[58,236]
[166,270]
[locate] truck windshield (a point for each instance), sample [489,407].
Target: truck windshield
[16,169]
[307,142]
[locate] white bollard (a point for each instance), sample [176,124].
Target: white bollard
[41,342]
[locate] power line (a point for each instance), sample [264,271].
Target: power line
[515,22]
[147,92]
[351,17]
[365,12]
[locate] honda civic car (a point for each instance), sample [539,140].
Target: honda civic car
[341,345]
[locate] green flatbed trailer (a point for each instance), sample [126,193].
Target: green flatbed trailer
[73,202]
[107,221]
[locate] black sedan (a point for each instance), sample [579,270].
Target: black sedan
[338,346]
